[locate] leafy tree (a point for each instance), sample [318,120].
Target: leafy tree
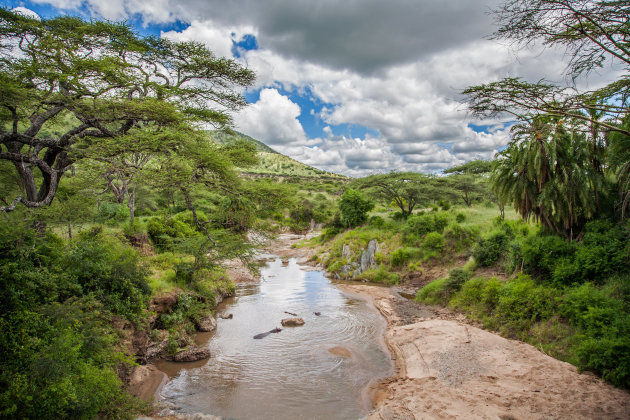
[474,167]
[593,33]
[354,208]
[405,189]
[468,187]
[105,82]
[545,172]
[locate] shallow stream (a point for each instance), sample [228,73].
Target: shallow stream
[291,374]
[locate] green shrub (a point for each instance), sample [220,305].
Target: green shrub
[354,207]
[166,233]
[401,256]
[460,217]
[379,275]
[60,364]
[460,237]
[434,242]
[111,272]
[489,250]
[432,293]
[522,303]
[376,221]
[445,205]
[112,212]
[455,280]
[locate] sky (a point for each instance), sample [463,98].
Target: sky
[353,87]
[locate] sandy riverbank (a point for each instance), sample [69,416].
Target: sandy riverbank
[447,368]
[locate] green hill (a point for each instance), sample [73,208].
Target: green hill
[271,162]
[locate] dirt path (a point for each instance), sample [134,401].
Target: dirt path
[447,368]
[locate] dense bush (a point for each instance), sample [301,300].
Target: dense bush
[603,252]
[109,271]
[488,250]
[419,225]
[354,207]
[166,232]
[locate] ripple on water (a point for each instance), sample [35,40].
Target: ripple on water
[291,374]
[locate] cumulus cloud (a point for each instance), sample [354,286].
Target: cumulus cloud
[395,68]
[26,12]
[273,119]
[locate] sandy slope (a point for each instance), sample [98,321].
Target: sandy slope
[450,369]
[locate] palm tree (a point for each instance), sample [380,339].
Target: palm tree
[546,173]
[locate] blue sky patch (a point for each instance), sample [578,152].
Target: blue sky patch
[248,42]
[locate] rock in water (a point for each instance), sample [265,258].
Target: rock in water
[207,324]
[292,322]
[193,354]
[317,313]
[226,316]
[265,334]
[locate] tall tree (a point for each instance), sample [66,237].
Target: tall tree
[545,172]
[109,83]
[592,32]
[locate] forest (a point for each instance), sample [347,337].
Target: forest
[122,180]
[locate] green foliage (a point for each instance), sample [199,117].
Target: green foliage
[112,212]
[166,232]
[419,225]
[379,275]
[354,208]
[488,250]
[405,190]
[60,364]
[460,237]
[401,256]
[433,242]
[111,272]
[603,252]
[460,217]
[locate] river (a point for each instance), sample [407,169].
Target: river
[291,374]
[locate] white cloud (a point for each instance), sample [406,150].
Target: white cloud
[273,119]
[26,12]
[396,68]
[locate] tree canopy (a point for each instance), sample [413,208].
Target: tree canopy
[405,189]
[110,87]
[592,32]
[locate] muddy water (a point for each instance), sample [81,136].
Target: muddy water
[321,370]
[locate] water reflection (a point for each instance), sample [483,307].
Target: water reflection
[291,374]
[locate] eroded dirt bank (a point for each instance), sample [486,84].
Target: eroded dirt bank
[447,368]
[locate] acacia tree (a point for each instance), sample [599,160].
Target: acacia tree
[109,83]
[592,31]
[404,189]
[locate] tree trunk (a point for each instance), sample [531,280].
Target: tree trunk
[131,203]
[69,230]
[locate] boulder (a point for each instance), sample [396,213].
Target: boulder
[226,316]
[207,324]
[292,322]
[368,259]
[345,252]
[192,354]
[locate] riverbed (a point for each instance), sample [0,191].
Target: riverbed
[323,369]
